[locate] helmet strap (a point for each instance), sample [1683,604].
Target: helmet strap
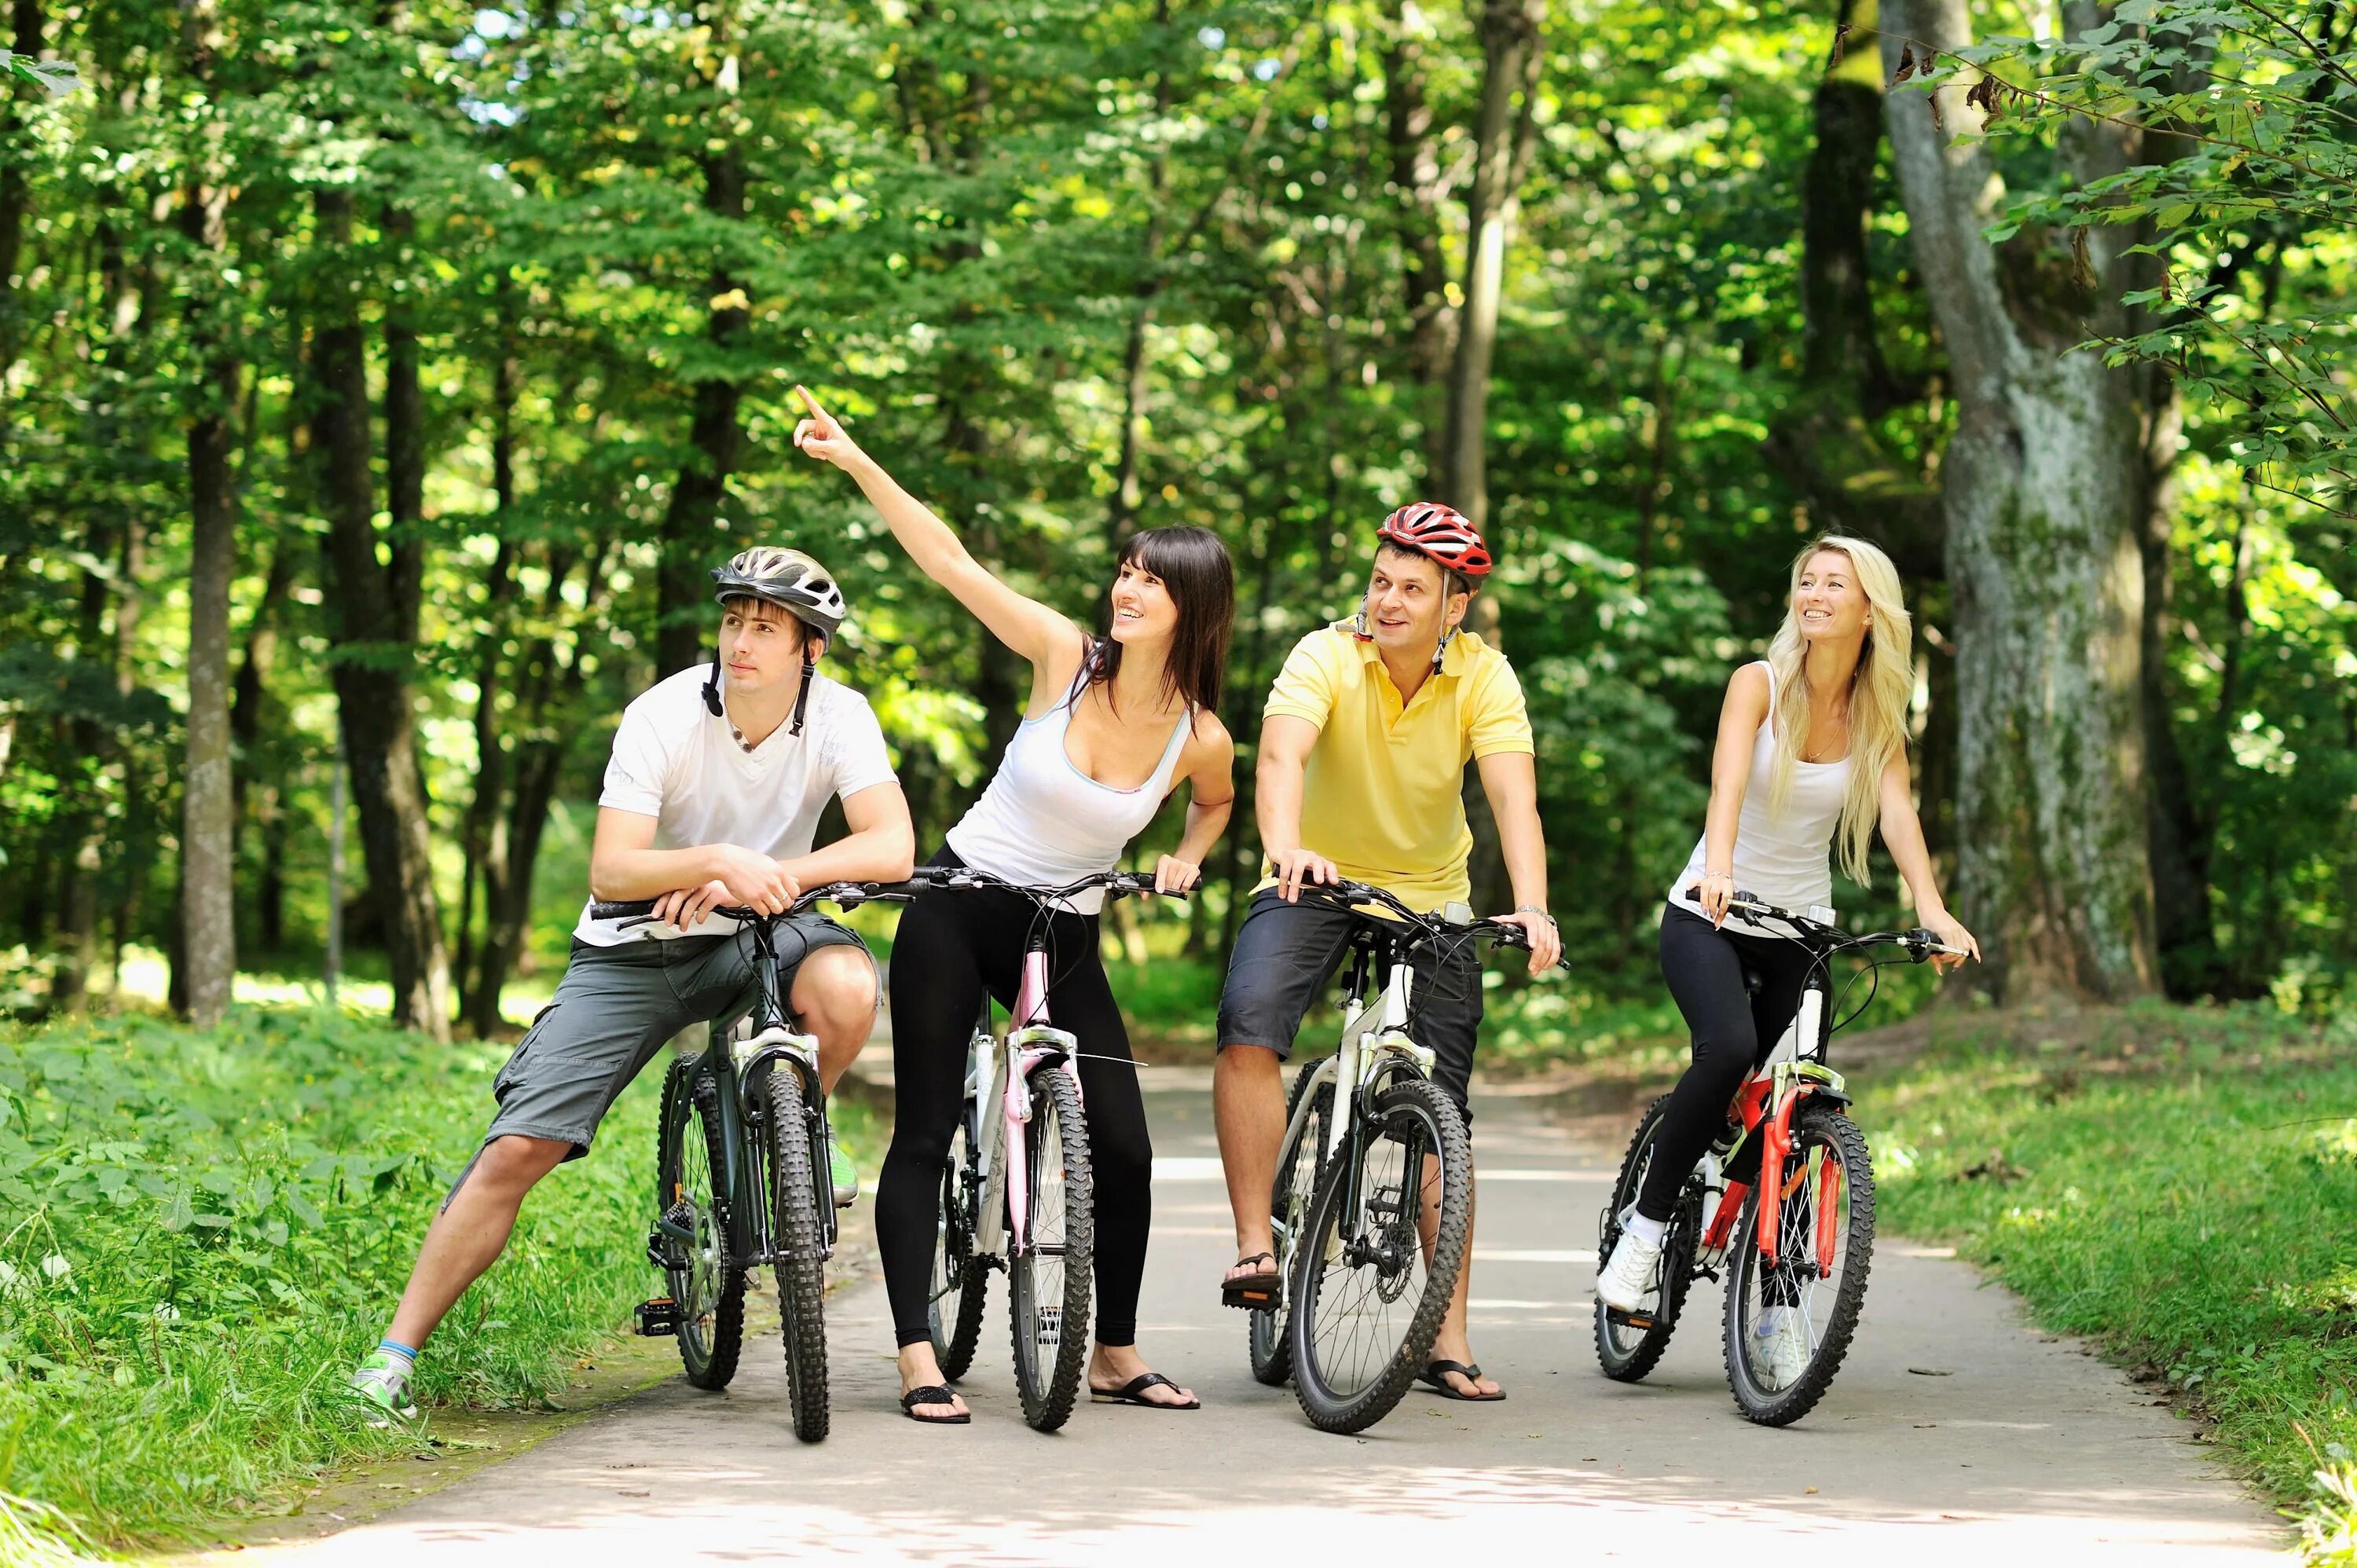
[802,698]
[1359,627]
[712,685]
[1442,651]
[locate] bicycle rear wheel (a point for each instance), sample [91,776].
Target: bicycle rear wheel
[1048,1280]
[1789,1323]
[796,1144]
[706,1283]
[1289,1200]
[1370,1281]
[957,1272]
[1627,1351]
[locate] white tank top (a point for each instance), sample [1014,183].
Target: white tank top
[1783,857]
[1043,822]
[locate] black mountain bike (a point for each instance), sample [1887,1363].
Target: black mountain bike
[742,1174]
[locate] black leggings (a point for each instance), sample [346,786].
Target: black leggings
[952,948]
[1732,1033]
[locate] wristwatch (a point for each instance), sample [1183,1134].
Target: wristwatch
[1535,909]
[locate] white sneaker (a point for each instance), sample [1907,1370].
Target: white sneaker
[1626,1277]
[1780,1347]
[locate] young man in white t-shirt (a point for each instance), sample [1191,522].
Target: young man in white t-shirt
[712,799]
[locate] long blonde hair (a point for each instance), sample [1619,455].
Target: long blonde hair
[1879,693]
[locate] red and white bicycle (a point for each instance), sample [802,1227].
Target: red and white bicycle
[1783,1201]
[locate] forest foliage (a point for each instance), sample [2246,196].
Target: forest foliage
[445,348]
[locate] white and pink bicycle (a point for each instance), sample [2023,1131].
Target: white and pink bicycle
[1015,1192]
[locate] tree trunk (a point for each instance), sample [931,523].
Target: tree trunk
[2041,487]
[405,438]
[207,821]
[1505,136]
[83,817]
[1128,490]
[372,689]
[690,522]
[15,189]
[1419,188]
[1838,342]
[546,690]
[1825,441]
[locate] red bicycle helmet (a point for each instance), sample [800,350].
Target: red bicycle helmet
[1442,532]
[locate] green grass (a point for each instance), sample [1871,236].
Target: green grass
[2179,1183]
[209,1227]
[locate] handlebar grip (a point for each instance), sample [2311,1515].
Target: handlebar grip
[621,910]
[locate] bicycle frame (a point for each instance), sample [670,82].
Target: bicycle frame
[1374,1047]
[748,1043]
[1795,1071]
[1002,1224]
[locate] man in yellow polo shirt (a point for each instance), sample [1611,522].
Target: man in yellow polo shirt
[1362,754]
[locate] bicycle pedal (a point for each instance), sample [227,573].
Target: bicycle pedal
[1643,1322]
[659,1317]
[1249,1300]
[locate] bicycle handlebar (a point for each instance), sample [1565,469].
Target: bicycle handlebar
[1348,893]
[925,878]
[849,895]
[1921,944]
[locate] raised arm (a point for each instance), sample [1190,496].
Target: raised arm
[1038,633]
[1739,718]
[1902,834]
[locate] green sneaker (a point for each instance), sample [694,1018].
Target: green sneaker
[380,1395]
[842,1173]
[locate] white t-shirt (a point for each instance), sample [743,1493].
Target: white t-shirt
[674,762]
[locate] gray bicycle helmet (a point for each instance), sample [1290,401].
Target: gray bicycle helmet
[797,584]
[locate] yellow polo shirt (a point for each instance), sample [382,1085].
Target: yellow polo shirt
[1383,796]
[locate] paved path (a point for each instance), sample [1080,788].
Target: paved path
[2026,1451]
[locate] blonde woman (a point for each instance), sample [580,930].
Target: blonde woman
[1812,751]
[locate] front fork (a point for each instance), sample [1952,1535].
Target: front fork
[1790,1083]
[751,1059]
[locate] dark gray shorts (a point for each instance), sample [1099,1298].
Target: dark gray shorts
[1285,954]
[614,1010]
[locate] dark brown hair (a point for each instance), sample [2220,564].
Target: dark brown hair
[1194,565]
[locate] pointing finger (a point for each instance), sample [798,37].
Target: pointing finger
[824,419]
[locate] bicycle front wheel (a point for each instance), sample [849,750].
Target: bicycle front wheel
[960,1280]
[691,1239]
[796,1144]
[1049,1279]
[1626,1350]
[1379,1256]
[1789,1320]
[1289,1200]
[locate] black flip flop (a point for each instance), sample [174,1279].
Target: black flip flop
[1132,1392]
[1253,1292]
[1435,1377]
[937,1394]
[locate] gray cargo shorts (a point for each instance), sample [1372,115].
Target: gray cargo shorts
[613,1012]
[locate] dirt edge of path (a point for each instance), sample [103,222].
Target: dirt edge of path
[466,1443]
